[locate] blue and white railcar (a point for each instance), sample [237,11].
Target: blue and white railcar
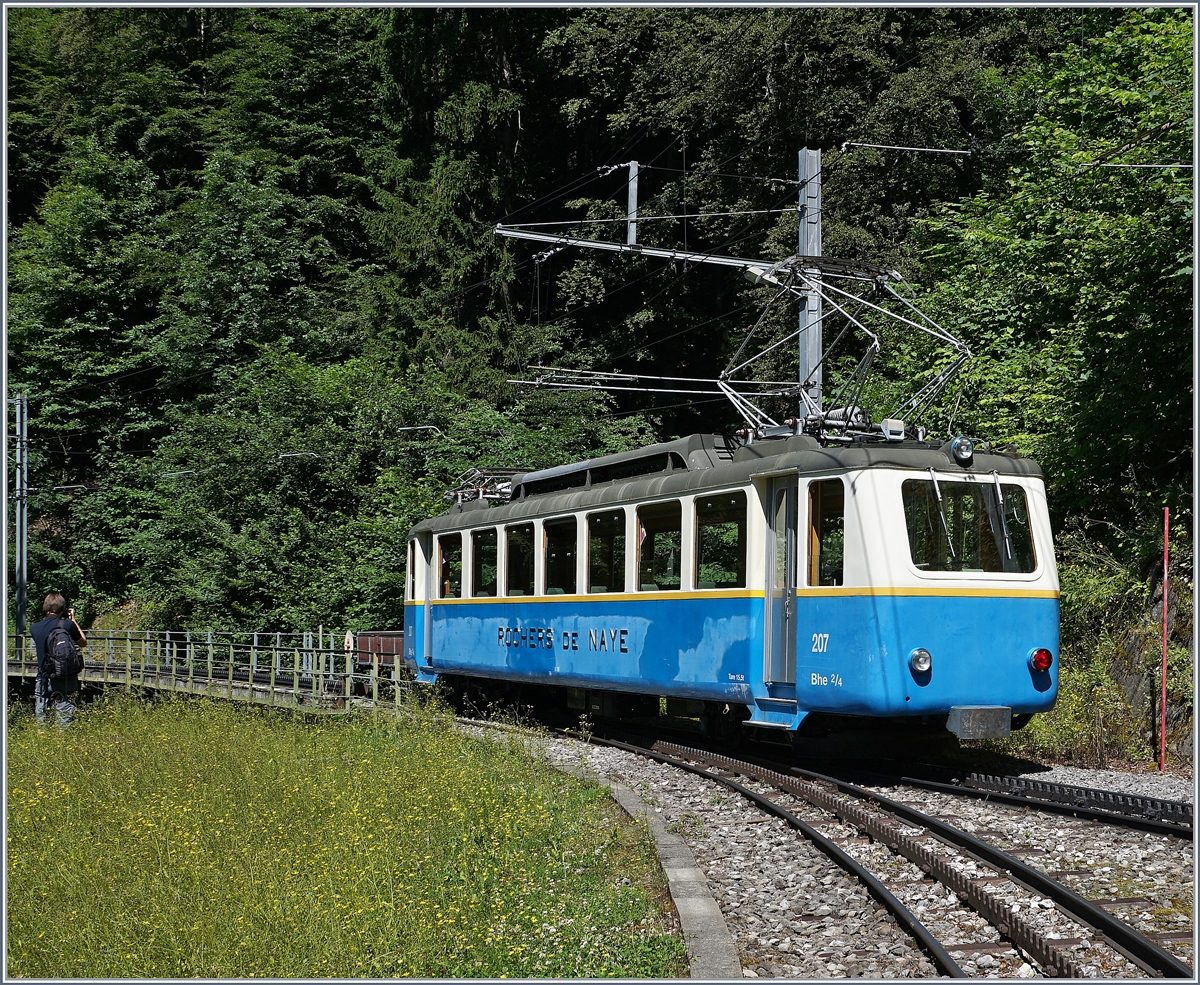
[782,580]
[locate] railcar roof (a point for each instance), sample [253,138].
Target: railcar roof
[699,462]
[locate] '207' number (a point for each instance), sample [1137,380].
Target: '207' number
[820,642]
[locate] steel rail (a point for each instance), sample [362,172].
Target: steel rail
[1140,822]
[1154,814]
[1116,933]
[1020,932]
[945,963]
[1155,808]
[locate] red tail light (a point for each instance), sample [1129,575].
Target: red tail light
[1041,659]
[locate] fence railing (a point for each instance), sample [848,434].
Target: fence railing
[312,669]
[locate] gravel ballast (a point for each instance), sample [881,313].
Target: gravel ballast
[792,913]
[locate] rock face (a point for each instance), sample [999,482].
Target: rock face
[1137,666]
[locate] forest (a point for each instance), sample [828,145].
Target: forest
[259,310]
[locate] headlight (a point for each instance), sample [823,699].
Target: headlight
[963,450]
[920,660]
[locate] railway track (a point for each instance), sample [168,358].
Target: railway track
[1156,814]
[1105,802]
[980,910]
[1143,879]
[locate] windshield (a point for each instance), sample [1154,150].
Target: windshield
[958,526]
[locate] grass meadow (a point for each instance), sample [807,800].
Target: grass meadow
[182,838]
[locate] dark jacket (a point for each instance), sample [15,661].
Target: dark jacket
[40,631]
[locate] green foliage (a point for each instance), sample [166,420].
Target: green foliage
[302,477]
[196,838]
[1110,657]
[249,249]
[1100,598]
[1072,281]
[1090,723]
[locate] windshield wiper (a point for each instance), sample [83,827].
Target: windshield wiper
[942,510]
[1003,522]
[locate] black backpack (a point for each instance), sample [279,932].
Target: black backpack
[62,655]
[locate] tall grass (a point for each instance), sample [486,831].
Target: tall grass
[196,838]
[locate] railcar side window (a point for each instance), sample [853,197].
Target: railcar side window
[520,559]
[606,552]
[963,528]
[560,556]
[721,540]
[660,548]
[483,563]
[450,566]
[826,532]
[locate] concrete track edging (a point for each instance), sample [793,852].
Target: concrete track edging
[712,954]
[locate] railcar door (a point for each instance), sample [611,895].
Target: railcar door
[781,583]
[425,560]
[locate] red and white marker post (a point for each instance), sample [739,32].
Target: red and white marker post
[1162,713]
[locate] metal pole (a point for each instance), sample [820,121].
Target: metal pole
[1162,708]
[21,498]
[631,215]
[809,245]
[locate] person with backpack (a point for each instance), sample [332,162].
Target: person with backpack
[57,638]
